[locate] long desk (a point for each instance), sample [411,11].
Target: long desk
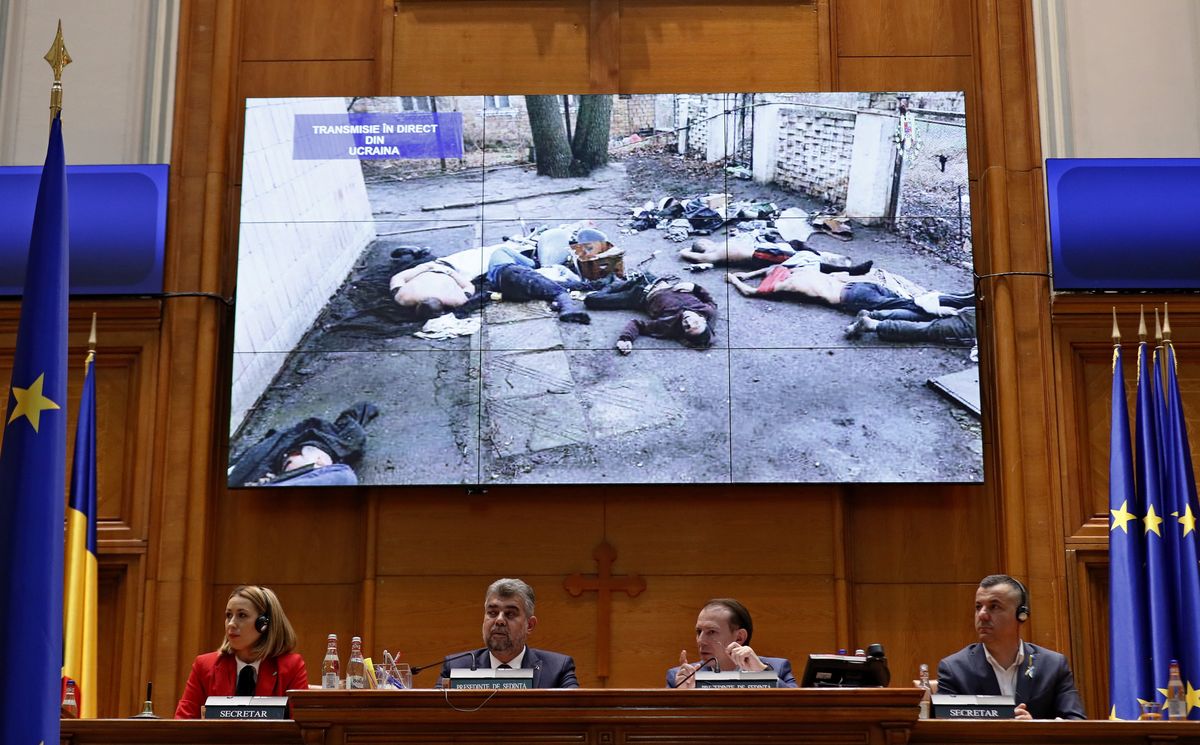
[1044,732]
[171,732]
[618,717]
[603,717]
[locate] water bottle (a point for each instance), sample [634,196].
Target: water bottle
[356,672]
[70,708]
[331,668]
[1176,701]
[926,692]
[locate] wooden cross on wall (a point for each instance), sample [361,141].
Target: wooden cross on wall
[603,583]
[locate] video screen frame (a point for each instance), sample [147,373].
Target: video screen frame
[642,208]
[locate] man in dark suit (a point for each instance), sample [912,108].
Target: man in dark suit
[723,631]
[1001,663]
[507,622]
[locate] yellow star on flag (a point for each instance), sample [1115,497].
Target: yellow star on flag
[1122,517]
[1188,521]
[31,403]
[1193,697]
[1152,522]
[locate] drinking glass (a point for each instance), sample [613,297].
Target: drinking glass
[403,673]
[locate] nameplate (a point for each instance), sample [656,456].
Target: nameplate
[246,707]
[488,678]
[736,679]
[962,706]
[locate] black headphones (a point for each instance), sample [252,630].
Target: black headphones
[262,622]
[1023,603]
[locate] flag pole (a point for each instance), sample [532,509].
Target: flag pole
[33,460]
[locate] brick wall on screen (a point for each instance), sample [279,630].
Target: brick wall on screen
[814,152]
[304,224]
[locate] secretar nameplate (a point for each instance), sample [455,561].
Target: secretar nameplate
[736,679]
[962,706]
[246,707]
[491,678]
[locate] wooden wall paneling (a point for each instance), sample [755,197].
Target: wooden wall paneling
[288,536]
[688,46]
[1083,345]
[184,421]
[118,632]
[604,44]
[273,30]
[916,623]
[1017,350]
[463,46]
[914,28]
[826,48]
[507,531]
[915,534]
[684,530]
[1088,581]
[1084,383]
[303,78]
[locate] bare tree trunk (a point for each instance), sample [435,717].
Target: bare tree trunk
[567,115]
[589,148]
[553,152]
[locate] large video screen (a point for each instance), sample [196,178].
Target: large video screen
[570,289]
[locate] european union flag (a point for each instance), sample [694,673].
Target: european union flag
[32,475]
[1129,656]
[1179,498]
[1160,573]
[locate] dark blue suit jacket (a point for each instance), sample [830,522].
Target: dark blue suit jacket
[781,666]
[550,669]
[1044,682]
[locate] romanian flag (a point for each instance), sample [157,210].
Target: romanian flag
[32,476]
[82,578]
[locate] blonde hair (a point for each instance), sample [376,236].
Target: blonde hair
[279,638]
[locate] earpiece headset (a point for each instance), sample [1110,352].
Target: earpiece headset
[262,622]
[1023,603]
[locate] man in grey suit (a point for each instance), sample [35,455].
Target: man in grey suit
[723,631]
[1038,679]
[508,620]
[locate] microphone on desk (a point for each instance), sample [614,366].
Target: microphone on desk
[444,660]
[697,669]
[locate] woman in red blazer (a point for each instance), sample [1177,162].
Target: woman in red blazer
[257,635]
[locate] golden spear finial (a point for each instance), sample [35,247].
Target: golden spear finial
[1141,323]
[1166,323]
[58,59]
[1157,327]
[91,355]
[1116,331]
